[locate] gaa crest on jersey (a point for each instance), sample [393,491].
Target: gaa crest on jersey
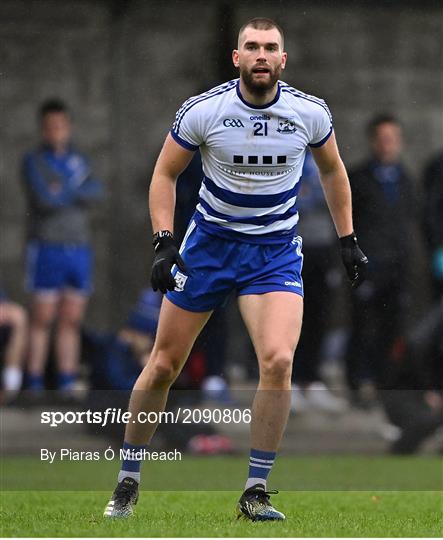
[286,125]
[180,280]
[233,122]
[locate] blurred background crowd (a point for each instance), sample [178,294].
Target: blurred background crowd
[90,90]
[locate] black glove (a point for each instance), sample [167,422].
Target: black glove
[166,255]
[354,259]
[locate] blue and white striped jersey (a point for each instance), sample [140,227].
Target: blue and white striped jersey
[252,158]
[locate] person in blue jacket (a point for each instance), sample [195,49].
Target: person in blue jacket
[118,358]
[60,189]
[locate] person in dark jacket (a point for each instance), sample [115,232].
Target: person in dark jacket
[433,218]
[433,225]
[59,187]
[383,208]
[412,394]
[320,277]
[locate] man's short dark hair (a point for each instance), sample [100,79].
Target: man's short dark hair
[53,105]
[385,118]
[262,23]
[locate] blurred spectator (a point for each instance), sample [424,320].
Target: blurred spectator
[411,395]
[433,218]
[117,359]
[59,188]
[320,276]
[13,336]
[384,215]
[433,222]
[412,391]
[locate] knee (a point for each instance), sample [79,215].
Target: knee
[42,317]
[69,322]
[70,318]
[276,366]
[163,369]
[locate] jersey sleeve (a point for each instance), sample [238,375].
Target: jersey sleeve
[321,124]
[187,127]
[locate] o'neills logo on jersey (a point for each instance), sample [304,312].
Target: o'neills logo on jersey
[260,117]
[286,125]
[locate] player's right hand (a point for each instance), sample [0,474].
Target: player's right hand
[166,256]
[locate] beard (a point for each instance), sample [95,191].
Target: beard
[261,86]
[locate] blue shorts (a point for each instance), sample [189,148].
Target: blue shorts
[217,266]
[53,267]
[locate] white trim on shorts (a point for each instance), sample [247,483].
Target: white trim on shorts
[191,227]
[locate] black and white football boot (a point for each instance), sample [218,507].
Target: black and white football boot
[254,505]
[123,499]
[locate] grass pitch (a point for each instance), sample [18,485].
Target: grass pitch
[193,514]
[319,512]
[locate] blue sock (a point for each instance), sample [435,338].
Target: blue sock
[35,382]
[260,465]
[131,466]
[65,381]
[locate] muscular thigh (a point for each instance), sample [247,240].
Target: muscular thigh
[273,321]
[178,329]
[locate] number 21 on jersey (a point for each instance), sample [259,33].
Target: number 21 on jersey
[260,129]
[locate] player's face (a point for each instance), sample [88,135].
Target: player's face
[56,129]
[387,142]
[260,59]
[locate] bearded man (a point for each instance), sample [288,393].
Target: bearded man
[252,134]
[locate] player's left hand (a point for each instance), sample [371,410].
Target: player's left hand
[166,256]
[354,259]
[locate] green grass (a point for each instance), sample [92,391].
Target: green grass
[321,496]
[296,473]
[194,514]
